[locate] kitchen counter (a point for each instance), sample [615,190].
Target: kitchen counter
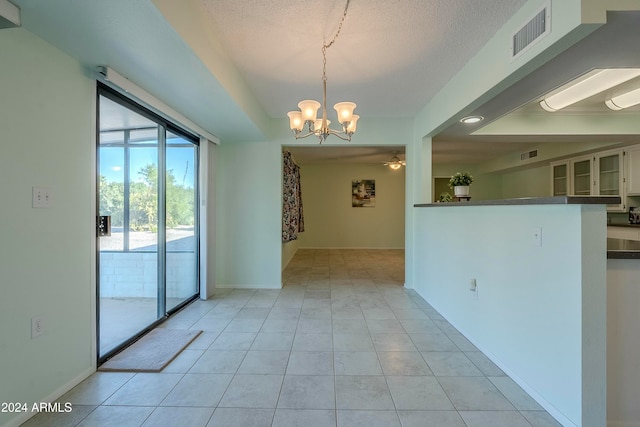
[623,249]
[556,200]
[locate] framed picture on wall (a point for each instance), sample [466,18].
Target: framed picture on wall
[363,193]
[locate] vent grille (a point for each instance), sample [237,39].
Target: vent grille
[533,30]
[529,155]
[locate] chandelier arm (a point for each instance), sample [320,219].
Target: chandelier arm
[298,136]
[340,135]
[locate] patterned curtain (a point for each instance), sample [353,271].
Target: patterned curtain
[292,217]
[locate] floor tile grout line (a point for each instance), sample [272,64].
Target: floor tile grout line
[385,292]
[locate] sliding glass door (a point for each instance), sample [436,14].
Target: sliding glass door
[147,192]
[181,219]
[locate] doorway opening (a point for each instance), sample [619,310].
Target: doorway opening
[337,223]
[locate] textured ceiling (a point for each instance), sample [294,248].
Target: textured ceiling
[390,58]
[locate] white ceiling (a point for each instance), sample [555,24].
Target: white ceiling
[390,58]
[378,154]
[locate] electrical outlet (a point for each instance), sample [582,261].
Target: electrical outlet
[37,326]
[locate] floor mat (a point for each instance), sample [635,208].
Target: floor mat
[152,352]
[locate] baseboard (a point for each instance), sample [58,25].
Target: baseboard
[247,286]
[352,248]
[623,423]
[23,417]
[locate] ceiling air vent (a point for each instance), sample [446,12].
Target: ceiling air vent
[529,155]
[531,32]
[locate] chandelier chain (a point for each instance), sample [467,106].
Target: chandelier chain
[326,45]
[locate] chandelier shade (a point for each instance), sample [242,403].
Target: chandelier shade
[295,120]
[344,111]
[309,109]
[351,127]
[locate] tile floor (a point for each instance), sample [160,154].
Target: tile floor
[342,344]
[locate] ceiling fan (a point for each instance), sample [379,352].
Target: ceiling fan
[395,163]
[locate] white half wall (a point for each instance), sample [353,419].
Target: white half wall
[538,311]
[623,342]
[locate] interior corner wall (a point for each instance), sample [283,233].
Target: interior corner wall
[332,222]
[289,249]
[46,255]
[248,215]
[207,219]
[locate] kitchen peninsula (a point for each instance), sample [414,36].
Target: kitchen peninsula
[525,281]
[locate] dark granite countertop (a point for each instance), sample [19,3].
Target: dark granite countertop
[557,200]
[624,225]
[623,249]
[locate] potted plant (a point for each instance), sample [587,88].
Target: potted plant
[445,197]
[460,183]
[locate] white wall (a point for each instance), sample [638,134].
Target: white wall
[623,342]
[539,311]
[331,221]
[534,182]
[248,215]
[46,140]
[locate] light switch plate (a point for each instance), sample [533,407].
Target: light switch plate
[537,236]
[42,197]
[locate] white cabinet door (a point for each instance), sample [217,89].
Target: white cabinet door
[560,178]
[582,183]
[608,173]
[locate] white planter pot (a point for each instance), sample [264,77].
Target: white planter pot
[461,190]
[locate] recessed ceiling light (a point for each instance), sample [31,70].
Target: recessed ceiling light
[471,119]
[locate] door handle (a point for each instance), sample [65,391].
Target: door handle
[103,225]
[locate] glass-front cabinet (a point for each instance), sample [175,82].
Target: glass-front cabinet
[594,174]
[609,178]
[560,178]
[581,176]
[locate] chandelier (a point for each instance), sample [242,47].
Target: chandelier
[308,114]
